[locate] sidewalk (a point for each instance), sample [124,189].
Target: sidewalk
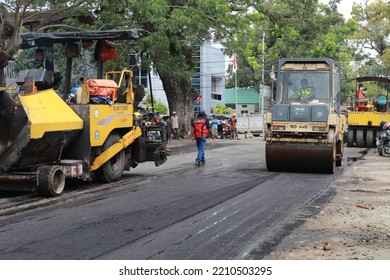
[355,225]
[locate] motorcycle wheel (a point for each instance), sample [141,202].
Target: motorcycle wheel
[386,149]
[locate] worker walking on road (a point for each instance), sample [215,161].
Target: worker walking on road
[200,131]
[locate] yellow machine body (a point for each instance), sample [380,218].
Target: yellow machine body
[47,112]
[105,118]
[366,119]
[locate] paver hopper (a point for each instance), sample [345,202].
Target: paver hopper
[36,128]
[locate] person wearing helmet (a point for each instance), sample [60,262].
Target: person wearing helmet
[200,130]
[233,123]
[386,125]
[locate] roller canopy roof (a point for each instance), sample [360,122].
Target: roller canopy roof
[372,78]
[31,40]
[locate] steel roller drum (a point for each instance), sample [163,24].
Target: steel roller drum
[297,157]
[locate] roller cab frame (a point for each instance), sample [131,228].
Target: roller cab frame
[364,120]
[46,139]
[305,136]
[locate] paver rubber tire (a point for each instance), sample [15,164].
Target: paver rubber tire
[51,180]
[112,170]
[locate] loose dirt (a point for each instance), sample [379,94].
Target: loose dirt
[354,225]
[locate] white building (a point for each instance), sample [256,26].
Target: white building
[211,77]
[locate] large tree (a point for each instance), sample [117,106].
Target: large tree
[15,13]
[177,30]
[374,33]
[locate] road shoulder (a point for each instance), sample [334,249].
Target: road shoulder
[355,224]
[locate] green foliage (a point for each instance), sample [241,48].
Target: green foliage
[291,29]
[158,105]
[373,31]
[161,108]
[219,109]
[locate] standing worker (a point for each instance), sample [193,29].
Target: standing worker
[200,131]
[233,123]
[175,125]
[214,127]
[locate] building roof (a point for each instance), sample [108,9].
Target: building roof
[244,96]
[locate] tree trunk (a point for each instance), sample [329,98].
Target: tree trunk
[3,64]
[139,94]
[2,78]
[181,96]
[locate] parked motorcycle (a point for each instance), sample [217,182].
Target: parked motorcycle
[383,140]
[226,130]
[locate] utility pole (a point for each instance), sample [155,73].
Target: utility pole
[235,72]
[262,78]
[139,64]
[236,93]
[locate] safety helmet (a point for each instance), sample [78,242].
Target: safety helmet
[233,115]
[386,125]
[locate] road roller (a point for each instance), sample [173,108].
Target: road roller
[304,130]
[365,118]
[48,136]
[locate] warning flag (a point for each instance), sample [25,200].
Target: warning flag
[234,63]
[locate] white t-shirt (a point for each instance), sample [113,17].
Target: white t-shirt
[175,121]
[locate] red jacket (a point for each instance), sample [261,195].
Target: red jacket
[201,126]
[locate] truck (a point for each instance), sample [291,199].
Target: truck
[250,125]
[48,138]
[367,114]
[305,135]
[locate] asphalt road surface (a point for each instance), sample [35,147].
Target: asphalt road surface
[232,208]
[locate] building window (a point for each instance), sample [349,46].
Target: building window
[213,84]
[216,96]
[244,106]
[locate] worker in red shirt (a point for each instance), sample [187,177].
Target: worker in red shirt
[361,92]
[200,131]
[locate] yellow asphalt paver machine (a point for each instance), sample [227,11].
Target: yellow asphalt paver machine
[46,139]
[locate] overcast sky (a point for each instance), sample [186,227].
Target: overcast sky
[345,6]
